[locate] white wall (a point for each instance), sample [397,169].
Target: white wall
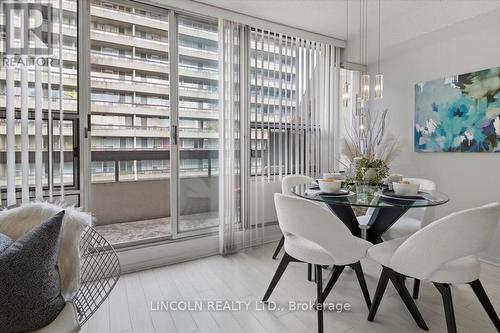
[470,179]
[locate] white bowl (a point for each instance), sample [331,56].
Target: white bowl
[334,175]
[405,189]
[330,186]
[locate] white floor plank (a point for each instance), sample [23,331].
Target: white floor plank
[183,321]
[140,316]
[119,316]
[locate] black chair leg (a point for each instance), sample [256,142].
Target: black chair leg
[478,289]
[337,270]
[398,282]
[416,288]
[279,272]
[309,273]
[445,291]
[362,283]
[319,292]
[278,248]
[379,293]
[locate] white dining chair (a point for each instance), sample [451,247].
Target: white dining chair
[412,221]
[287,187]
[323,240]
[443,252]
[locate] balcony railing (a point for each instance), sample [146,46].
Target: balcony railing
[96,76]
[130,127]
[122,155]
[130,104]
[128,58]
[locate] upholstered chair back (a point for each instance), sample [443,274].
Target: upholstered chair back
[464,233]
[289,182]
[304,219]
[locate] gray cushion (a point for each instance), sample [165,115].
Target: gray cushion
[30,287]
[5,242]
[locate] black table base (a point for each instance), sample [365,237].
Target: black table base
[381,219]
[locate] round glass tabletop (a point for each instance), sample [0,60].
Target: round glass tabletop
[373,197]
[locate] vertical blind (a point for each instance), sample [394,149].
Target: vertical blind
[292,105]
[30,80]
[229,135]
[293,110]
[286,108]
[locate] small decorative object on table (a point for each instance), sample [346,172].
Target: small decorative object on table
[371,171]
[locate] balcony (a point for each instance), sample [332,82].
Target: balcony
[128,17]
[209,74]
[198,53]
[115,60]
[128,40]
[197,113]
[69,104]
[109,130]
[154,229]
[69,76]
[145,217]
[139,109]
[141,85]
[197,32]
[198,92]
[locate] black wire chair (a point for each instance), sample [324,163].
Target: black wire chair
[99,272]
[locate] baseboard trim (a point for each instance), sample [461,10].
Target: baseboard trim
[495,261]
[158,255]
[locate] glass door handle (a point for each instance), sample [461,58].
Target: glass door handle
[174,134]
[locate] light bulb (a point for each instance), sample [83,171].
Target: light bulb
[365,86]
[345,94]
[379,86]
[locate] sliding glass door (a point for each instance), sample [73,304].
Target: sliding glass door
[154,120]
[198,118]
[130,121]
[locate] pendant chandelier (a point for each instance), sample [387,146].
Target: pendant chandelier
[345,88]
[365,82]
[379,78]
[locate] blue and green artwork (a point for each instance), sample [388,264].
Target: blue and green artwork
[459,113]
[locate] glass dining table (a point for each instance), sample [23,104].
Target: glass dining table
[385,206]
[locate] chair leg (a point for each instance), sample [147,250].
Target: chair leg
[337,270]
[379,293]
[319,292]
[278,248]
[362,283]
[445,291]
[478,289]
[279,272]
[398,282]
[416,288]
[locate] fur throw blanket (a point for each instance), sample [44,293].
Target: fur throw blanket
[15,222]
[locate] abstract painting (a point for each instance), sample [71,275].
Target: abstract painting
[459,113]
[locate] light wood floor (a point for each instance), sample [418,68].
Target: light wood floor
[245,276]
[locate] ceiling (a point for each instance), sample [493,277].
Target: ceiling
[401,20]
